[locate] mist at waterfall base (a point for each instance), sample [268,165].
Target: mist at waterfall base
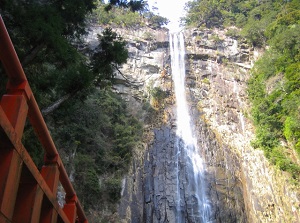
[191,196]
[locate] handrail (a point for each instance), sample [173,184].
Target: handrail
[9,57]
[18,83]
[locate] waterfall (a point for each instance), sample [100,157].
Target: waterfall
[191,193]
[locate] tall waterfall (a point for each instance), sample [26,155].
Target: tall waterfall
[191,195]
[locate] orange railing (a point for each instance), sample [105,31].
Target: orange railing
[26,193]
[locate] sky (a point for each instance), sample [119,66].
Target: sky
[171,9]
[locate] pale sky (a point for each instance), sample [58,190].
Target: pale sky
[171,9]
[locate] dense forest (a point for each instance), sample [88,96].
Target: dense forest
[90,124]
[274,87]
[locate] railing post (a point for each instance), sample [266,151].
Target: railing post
[15,107]
[50,172]
[70,208]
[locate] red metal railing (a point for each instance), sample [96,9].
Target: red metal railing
[26,193]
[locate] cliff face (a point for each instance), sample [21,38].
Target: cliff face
[218,88]
[241,185]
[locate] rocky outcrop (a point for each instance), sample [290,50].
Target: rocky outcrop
[241,184]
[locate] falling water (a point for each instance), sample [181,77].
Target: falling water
[193,195]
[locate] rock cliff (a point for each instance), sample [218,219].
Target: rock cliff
[218,88]
[241,185]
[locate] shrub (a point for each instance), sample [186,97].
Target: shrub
[234,33]
[113,187]
[158,94]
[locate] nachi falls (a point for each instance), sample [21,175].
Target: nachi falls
[192,204]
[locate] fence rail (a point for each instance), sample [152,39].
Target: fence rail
[26,193]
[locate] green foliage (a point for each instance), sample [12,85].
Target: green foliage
[292,75]
[45,36]
[233,33]
[206,81]
[158,94]
[45,26]
[41,33]
[88,188]
[216,38]
[125,17]
[155,21]
[133,5]
[148,36]
[110,53]
[117,16]
[113,187]
[289,126]
[254,17]
[203,12]
[101,134]
[276,103]
[281,160]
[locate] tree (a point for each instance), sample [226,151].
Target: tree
[110,53]
[91,121]
[43,34]
[137,5]
[45,26]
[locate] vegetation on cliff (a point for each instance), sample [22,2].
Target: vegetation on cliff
[89,123]
[275,82]
[97,137]
[120,17]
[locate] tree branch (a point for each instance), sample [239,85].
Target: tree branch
[56,104]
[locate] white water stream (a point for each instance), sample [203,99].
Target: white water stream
[187,142]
